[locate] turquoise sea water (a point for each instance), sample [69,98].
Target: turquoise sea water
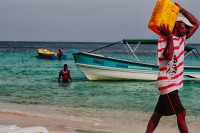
[27,80]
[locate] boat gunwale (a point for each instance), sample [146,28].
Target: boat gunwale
[107,57]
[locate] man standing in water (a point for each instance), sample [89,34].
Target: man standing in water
[171,65]
[60,54]
[65,73]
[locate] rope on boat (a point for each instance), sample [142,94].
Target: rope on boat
[105,46]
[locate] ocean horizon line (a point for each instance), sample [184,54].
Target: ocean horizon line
[77,42]
[55,42]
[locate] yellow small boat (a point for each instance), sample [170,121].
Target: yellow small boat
[47,54]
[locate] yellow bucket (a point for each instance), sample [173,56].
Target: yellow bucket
[165,12]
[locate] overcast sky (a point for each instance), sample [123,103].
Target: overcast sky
[81,20]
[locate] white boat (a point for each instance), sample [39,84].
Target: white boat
[100,67]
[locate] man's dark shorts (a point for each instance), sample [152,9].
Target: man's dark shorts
[169,104]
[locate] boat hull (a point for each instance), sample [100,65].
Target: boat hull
[106,73]
[51,56]
[98,67]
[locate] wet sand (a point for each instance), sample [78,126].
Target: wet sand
[106,123]
[59,126]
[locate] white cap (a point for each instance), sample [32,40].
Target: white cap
[185,20]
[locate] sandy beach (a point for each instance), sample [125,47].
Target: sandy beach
[57,125]
[86,122]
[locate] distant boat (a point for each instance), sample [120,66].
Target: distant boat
[100,67]
[47,54]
